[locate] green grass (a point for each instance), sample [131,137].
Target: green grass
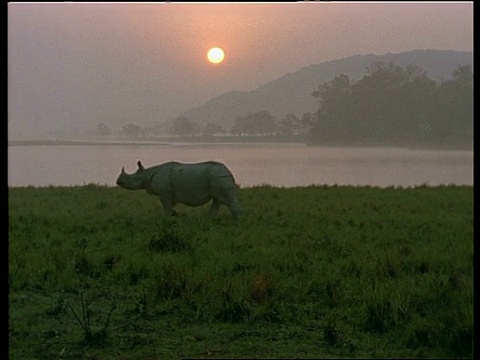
[312,272]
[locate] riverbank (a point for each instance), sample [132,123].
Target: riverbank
[227,140]
[80,143]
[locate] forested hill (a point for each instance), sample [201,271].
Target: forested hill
[292,93]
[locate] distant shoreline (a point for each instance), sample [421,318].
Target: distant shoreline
[163,141]
[229,141]
[78,142]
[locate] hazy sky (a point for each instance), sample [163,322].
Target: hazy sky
[79,64]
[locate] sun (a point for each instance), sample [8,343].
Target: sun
[216,55]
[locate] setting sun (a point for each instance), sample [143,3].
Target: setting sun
[216,55]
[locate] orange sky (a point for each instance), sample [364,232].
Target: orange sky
[145,62]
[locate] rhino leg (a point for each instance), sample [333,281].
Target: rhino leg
[214,208]
[227,198]
[168,206]
[235,208]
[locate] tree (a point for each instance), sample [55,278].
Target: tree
[132,130]
[378,103]
[333,115]
[463,87]
[183,126]
[452,113]
[290,125]
[307,121]
[414,106]
[259,123]
[212,128]
[263,122]
[390,104]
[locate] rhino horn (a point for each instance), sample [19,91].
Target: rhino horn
[123,169]
[140,166]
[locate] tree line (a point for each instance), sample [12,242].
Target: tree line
[395,105]
[389,105]
[258,123]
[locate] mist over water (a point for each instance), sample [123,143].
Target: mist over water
[284,165]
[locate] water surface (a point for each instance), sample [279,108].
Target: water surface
[286,165]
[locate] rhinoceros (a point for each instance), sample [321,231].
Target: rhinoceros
[189,184]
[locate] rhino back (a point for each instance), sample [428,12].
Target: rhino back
[221,176]
[191,183]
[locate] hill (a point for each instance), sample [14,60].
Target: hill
[291,93]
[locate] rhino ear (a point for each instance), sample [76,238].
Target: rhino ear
[123,169]
[140,166]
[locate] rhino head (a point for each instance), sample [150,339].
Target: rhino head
[133,181]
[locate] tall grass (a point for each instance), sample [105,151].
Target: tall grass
[307,272]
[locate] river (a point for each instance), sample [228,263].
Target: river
[284,165]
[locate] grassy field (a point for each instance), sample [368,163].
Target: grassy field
[312,272]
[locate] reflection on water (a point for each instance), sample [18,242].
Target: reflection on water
[285,165]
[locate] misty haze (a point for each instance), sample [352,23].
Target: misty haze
[343,227]
[390,105]
[110,72]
